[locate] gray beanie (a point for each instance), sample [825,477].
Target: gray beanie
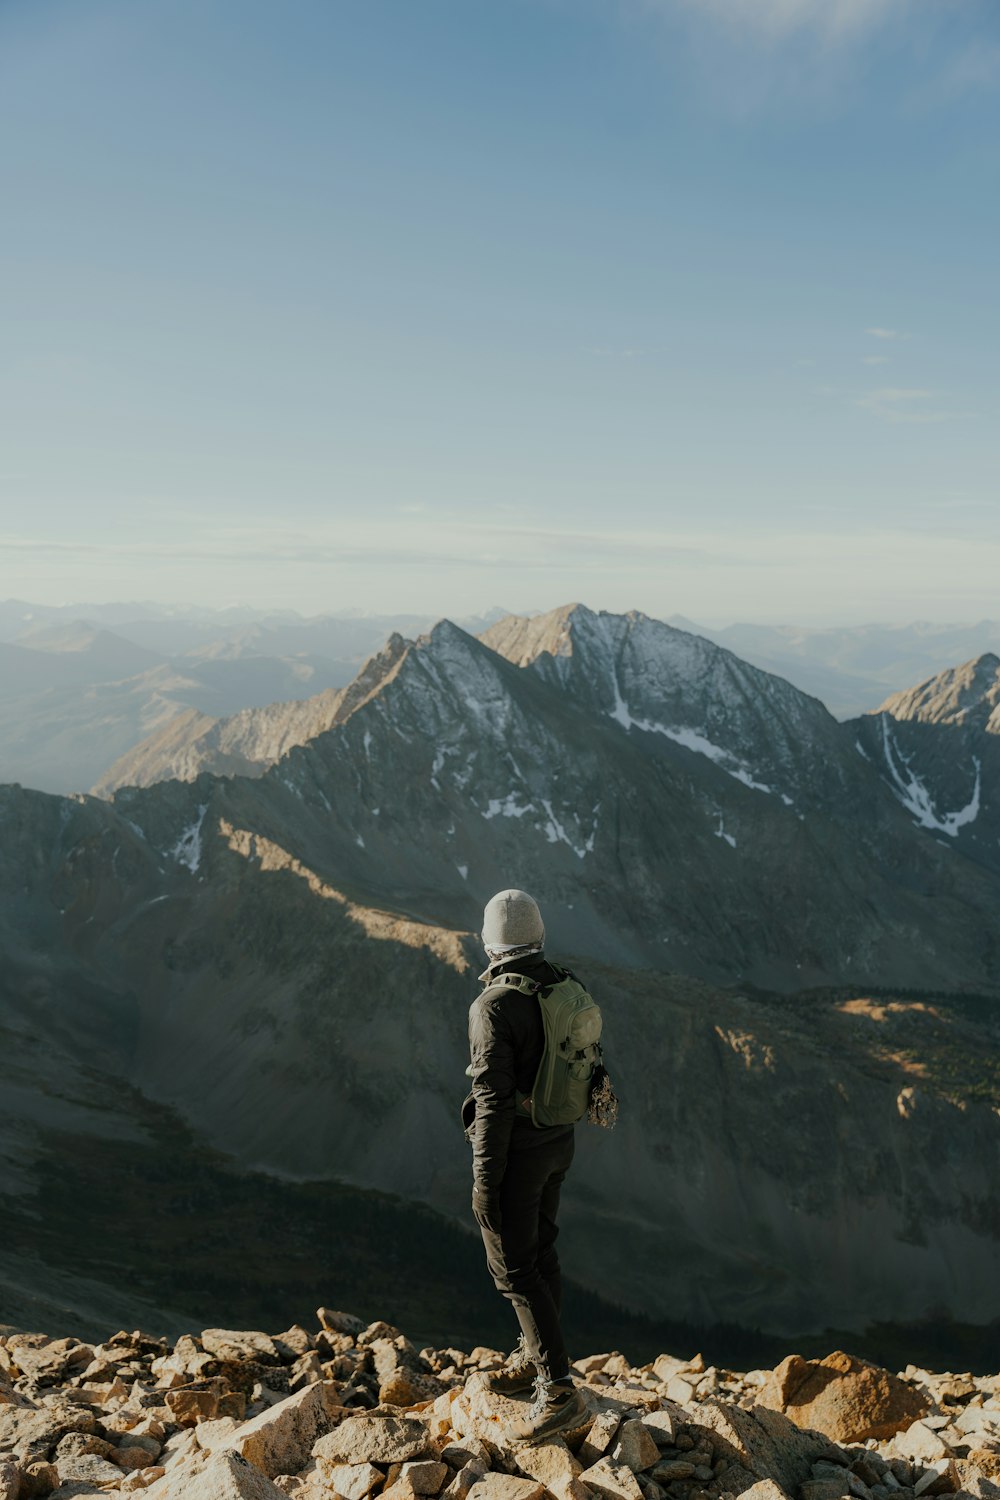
[512,920]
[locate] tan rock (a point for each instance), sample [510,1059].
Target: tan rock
[662,1426]
[377,1440]
[427,1476]
[494,1486]
[847,1398]
[10,1480]
[941,1478]
[764,1489]
[352,1481]
[188,1407]
[468,1475]
[141,1479]
[921,1443]
[757,1444]
[986,1461]
[232,1343]
[612,1480]
[280,1439]
[554,1466]
[600,1436]
[339,1322]
[227,1476]
[634,1447]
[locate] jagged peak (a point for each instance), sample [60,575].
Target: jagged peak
[968,693]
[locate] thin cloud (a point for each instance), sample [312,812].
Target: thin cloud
[834,20]
[876,359]
[904,404]
[883,333]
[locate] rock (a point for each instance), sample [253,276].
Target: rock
[554,1466]
[10,1480]
[377,1440]
[765,1489]
[612,1480]
[38,1479]
[680,1389]
[425,1476]
[190,1407]
[468,1475]
[634,1447]
[89,1467]
[339,1322]
[33,1432]
[405,1387]
[940,1479]
[671,1470]
[280,1439]
[226,1343]
[506,1487]
[599,1437]
[141,1479]
[758,1444]
[227,1476]
[822,1489]
[849,1399]
[352,1481]
[469,1450]
[921,1443]
[662,1426]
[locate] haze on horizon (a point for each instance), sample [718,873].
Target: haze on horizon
[680,305]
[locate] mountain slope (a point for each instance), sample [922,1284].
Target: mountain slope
[310,1036]
[937,747]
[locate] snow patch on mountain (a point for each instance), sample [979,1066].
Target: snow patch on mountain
[695,740]
[914,795]
[187,850]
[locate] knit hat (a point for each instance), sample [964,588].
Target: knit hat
[512,920]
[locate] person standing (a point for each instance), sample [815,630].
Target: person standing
[518,1167]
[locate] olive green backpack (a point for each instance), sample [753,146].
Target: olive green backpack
[571,1058]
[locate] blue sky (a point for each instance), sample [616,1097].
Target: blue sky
[687,305]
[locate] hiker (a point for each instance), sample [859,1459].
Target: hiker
[518,1166]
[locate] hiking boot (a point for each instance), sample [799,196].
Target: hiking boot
[556,1408]
[518,1374]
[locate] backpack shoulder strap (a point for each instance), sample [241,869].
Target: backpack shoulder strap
[519,982]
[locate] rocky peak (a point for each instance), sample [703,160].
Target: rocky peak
[965,695]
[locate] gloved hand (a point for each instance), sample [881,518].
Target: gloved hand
[486,1207]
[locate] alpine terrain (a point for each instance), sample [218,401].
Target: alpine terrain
[244,998]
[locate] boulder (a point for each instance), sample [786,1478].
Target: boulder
[280,1439]
[940,1479]
[468,1475]
[424,1476]
[141,1479]
[634,1446]
[33,1432]
[921,1443]
[352,1481]
[600,1436]
[846,1398]
[662,1425]
[339,1322]
[10,1480]
[372,1439]
[765,1489]
[506,1487]
[611,1480]
[228,1343]
[757,1444]
[227,1476]
[554,1466]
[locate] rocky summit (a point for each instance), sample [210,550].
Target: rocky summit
[348,1411]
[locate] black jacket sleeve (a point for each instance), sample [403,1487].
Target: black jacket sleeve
[491,1045]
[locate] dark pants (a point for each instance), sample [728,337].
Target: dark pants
[522,1258]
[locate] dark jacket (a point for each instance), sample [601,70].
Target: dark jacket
[506,1041]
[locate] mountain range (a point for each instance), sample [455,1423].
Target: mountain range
[800,976]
